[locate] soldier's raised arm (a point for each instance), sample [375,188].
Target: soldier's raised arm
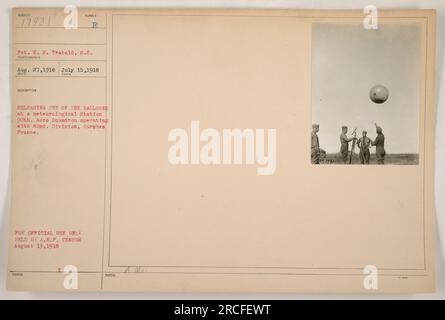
[374,143]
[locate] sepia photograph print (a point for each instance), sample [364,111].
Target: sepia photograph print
[365,94]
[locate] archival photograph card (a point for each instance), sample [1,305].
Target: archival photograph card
[222,150]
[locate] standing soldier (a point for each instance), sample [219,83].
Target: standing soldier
[379,144]
[364,143]
[315,145]
[344,144]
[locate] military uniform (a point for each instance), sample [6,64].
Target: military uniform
[364,143]
[379,144]
[344,147]
[315,149]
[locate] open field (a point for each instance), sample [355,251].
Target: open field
[394,159]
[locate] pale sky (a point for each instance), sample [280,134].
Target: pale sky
[347,60]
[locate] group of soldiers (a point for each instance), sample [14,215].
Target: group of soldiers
[364,144]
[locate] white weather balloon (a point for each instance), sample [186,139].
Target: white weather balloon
[379,94]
